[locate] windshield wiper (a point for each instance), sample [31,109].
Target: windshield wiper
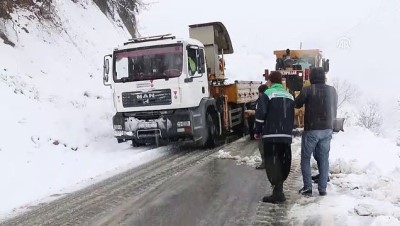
[124,79]
[165,76]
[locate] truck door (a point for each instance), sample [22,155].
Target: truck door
[195,86]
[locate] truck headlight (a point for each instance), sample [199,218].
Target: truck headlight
[118,133]
[183,124]
[117,127]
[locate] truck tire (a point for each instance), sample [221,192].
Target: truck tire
[135,144]
[212,134]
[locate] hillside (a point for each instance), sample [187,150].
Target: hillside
[56,128]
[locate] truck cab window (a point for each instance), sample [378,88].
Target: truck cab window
[192,61]
[150,63]
[121,68]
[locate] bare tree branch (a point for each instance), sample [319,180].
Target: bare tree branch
[370,117]
[346,91]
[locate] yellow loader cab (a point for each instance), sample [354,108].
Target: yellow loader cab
[295,66]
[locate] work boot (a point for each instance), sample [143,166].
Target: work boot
[322,193]
[306,191]
[277,195]
[261,166]
[275,199]
[315,178]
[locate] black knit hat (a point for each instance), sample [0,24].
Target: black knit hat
[262,88]
[275,77]
[317,76]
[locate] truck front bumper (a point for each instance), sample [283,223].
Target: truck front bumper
[138,126]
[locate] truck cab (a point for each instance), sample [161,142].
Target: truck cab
[163,86]
[295,66]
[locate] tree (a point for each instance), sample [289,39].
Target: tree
[127,11]
[346,91]
[370,117]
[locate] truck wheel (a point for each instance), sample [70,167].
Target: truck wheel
[211,131]
[135,144]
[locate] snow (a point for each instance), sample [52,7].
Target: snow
[252,160]
[364,187]
[40,176]
[255,159]
[385,221]
[56,122]
[55,134]
[224,155]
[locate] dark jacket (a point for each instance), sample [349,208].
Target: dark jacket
[320,102]
[261,89]
[275,115]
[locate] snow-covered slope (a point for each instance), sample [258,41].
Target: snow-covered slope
[56,128]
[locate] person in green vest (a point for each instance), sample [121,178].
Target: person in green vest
[274,120]
[192,66]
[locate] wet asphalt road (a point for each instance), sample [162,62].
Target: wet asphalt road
[215,193]
[186,187]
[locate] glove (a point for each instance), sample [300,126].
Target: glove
[257,136]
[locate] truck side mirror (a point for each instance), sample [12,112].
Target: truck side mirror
[325,65]
[106,70]
[201,66]
[107,66]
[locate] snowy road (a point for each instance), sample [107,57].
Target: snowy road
[186,187]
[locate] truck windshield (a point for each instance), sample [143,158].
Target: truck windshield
[149,63]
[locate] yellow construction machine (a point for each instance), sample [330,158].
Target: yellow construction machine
[295,66]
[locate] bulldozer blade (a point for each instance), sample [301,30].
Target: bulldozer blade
[297,132]
[338,125]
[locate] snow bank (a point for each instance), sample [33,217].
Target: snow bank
[364,187]
[252,160]
[358,150]
[385,221]
[56,115]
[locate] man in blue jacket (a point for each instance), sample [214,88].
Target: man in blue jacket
[275,118]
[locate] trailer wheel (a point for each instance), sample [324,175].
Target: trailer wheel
[211,131]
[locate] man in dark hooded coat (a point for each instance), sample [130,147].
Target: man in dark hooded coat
[320,102]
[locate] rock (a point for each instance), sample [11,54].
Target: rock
[363,210]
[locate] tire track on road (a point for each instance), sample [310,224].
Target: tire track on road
[277,214]
[79,207]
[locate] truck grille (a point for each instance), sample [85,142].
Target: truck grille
[148,114]
[151,98]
